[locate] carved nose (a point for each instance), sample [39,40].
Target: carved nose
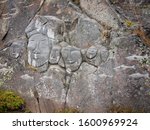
[37,50]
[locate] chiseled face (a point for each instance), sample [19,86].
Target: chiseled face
[39,49]
[72,58]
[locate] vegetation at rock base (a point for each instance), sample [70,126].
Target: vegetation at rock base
[11,102]
[67,110]
[123,109]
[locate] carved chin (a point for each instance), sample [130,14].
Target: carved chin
[38,63]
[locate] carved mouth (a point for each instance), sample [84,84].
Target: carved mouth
[36,56]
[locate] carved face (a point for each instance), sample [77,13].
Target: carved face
[72,58]
[39,49]
[91,52]
[55,54]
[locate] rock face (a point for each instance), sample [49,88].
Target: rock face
[62,56]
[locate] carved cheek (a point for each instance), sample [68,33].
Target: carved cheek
[31,46]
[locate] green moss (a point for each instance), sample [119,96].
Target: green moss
[129,23]
[10,102]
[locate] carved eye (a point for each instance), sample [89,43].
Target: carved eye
[31,44]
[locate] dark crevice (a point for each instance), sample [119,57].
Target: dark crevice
[36,95]
[67,86]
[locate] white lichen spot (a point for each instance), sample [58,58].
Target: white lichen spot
[139,75]
[29,57]
[38,25]
[124,67]
[136,57]
[105,76]
[4,71]
[50,33]
[26,77]
[45,78]
[34,63]
[3,65]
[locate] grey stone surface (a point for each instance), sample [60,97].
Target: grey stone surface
[87,61]
[87,81]
[17,48]
[43,33]
[91,52]
[86,33]
[101,11]
[39,48]
[72,57]
[55,55]
[48,25]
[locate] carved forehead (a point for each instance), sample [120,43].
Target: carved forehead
[38,37]
[70,49]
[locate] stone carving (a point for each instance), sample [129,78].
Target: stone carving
[43,33]
[91,52]
[46,46]
[17,48]
[55,55]
[39,48]
[72,57]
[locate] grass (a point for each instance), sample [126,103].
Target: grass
[67,110]
[11,102]
[123,109]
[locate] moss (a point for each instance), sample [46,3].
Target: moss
[10,102]
[129,23]
[30,67]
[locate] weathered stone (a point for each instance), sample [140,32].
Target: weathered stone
[39,48]
[14,14]
[86,33]
[87,81]
[91,52]
[17,48]
[48,25]
[55,55]
[72,57]
[113,72]
[43,33]
[96,61]
[101,11]
[104,53]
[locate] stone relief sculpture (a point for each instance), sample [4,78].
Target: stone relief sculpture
[72,57]
[46,46]
[39,47]
[43,33]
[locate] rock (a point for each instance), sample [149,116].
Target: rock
[39,48]
[72,57]
[104,53]
[48,25]
[88,61]
[87,82]
[101,11]
[4,25]
[91,52]
[86,33]
[43,33]
[55,55]
[15,17]
[17,48]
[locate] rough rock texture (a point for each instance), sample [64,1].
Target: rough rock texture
[91,56]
